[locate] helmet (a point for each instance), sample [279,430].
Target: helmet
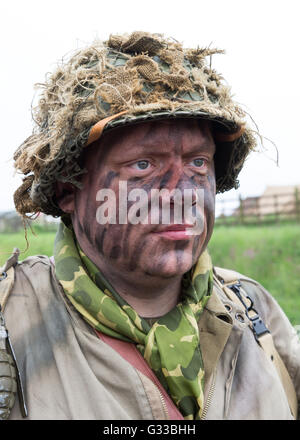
[126,80]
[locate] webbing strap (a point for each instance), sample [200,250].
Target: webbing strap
[6,285]
[7,277]
[265,340]
[267,344]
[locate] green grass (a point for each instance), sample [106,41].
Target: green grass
[39,244]
[270,254]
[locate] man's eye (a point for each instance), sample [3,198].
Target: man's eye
[141,165]
[198,162]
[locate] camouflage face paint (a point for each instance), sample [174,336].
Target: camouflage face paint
[168,149]
[109,178]
[115,252]
[100,241]
[164,181]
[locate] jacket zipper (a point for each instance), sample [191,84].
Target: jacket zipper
[165,409]
[158,385]
[209,397]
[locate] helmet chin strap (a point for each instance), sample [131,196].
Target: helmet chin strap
[229,137]
[97,129]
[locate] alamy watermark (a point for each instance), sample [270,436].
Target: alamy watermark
[162,206]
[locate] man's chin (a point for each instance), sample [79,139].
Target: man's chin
[172,267]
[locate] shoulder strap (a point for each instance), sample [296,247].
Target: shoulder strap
[228,281]
[7,278]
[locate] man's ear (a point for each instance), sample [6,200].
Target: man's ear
[65,196]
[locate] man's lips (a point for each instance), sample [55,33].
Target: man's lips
[174,232]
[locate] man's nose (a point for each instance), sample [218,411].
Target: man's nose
[191,192]
[175,179]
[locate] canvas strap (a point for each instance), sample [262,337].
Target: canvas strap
[7,275]
[6,285]
[7,278]
[261,332]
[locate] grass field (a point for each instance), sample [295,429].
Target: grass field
[270,254]
[39,244]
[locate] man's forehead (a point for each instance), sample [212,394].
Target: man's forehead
[190,132]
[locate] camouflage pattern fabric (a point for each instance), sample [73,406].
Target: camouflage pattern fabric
[170,347]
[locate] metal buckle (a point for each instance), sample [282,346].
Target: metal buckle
[3,276]
[257,325]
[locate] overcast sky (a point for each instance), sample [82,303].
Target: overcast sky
[261,39]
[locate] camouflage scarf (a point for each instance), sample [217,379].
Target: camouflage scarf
[170,347]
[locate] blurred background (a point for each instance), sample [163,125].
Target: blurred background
[257,226]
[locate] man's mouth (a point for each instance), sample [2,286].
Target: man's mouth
[174,232]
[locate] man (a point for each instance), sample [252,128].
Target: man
[129,320]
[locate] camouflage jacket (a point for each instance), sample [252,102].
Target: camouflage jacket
[68,372]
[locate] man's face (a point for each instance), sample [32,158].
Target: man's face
[173,154]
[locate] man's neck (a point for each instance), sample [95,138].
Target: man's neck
[148,295]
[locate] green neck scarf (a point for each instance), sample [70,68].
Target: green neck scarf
[170,347]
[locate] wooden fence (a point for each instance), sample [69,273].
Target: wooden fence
[274,208]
